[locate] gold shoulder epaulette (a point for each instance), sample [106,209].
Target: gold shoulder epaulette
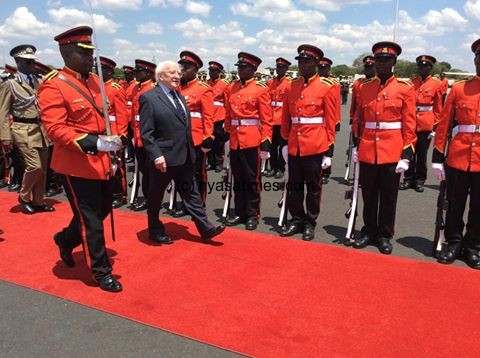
[368,81]
[116,85]
[326,81]
[204,84]
[153,84]
[261,84]
[334,80]
[226,81]
[406,82]
[289,78]
[50,75]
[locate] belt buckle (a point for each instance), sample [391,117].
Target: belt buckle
[377,125]
[477,128]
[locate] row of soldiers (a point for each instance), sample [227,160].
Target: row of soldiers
[392,122]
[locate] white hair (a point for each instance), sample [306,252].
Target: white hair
[165,66]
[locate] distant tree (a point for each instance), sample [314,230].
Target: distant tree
[405,69]
[358,62]
[342,70]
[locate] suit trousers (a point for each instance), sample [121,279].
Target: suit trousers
[459,185]
[141,156]
[417,169]
[91,202]
[35,176]
[304,171]
[379,184]
[276,158]
[201,173]
[187,188]
[215,156]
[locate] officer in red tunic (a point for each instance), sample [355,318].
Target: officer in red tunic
[428,97]
[369,72]
[199,98]
[219,86]
[278,87]
[70,102]
[129,73]
[308,124]
[384,124]
[119,121]
[249,121]
[462,169]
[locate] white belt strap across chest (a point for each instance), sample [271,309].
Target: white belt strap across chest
[196,115]
[137,118]
[383,125]
[468,128]
[245,122]
[276,104]
[112,118]
[218,103]
[424,108]
[307,120]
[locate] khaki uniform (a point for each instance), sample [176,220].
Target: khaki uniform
[18,102]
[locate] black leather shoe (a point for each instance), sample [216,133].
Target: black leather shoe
[362,241]
[65,253]
[278,174]
[218,168]
[472,258]
[450,253]
[53,191]
[43,208]
[26,206]
[210,234]
[14,187]
[161,239]
[384,245]
[117,203]
[291,230]
[407,184]
[269,173]
[419,188]
[308,233]
[251,224]
[234,221]
[140,206]
[325,180]
[208,167]
[179,213]
[109,283]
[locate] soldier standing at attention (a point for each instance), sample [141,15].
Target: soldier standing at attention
[308,124]
[462,169]
[428,97]
[369,72]
[18,98]
[384,124]
[249,122]
[70,102]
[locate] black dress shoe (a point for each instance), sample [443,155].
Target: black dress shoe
[53,191]
[269,173]
[161,239]
[218,168]
[278,174]
[119,202]
[308,233]
[384,246]
[450,253]
[233,221]
[210,234]
[43,208]
[109,283]
[325,180]
[251,224]
[291,230]
[362,241]
[208,167]
[65,252]
[407,184]
[472,258]
[419,188]
[26,206]
[14,187]
[179,213]
[140,206]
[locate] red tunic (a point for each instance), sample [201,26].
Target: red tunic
[428,97]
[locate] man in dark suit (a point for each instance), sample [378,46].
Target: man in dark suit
[166,132]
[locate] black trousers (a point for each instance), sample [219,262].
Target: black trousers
[459,185]
[303,171]
[276,158]
[215,156]
[187,188]
[120,177]
[141,156]
[91,202]
[379,184]
[417,169]
[201,173]
[245,164]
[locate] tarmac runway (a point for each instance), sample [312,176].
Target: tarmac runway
[37,325]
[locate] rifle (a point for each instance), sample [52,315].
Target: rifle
[172,191]
[282,204]
[227,181]
[442,205]
[348,163]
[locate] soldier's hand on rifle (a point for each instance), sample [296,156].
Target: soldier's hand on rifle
[402,165]
[438,171]
[161,164]
[355,154]
[109,143]
[326,162]
[431,135]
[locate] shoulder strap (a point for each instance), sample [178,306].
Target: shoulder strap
[82,92]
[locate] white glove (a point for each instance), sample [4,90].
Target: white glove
[264,155]
[438,171]
[109,143]
[326,162]
[402,165]
[431,135]
[355,154]
[205,150]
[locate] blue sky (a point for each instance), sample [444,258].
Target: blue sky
[217,30]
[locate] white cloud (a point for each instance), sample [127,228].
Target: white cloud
[150,28]
[124,50]
[198,7]
[472,8]
[165,3]
[444,21]
[69,17]
[23,24]
[113,5]
[335,5]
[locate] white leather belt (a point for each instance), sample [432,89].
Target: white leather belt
[137,118]
[195,115]
[276,104]
[244,122]
[218,103]
[112,118]
[424,108]
[468,128]
[129,103]
[307,120]
[383,125]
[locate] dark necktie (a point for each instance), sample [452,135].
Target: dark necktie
[178,105]
[30,81]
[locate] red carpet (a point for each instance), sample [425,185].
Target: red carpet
[257,294]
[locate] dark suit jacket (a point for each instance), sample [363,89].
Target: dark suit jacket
[163,130]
